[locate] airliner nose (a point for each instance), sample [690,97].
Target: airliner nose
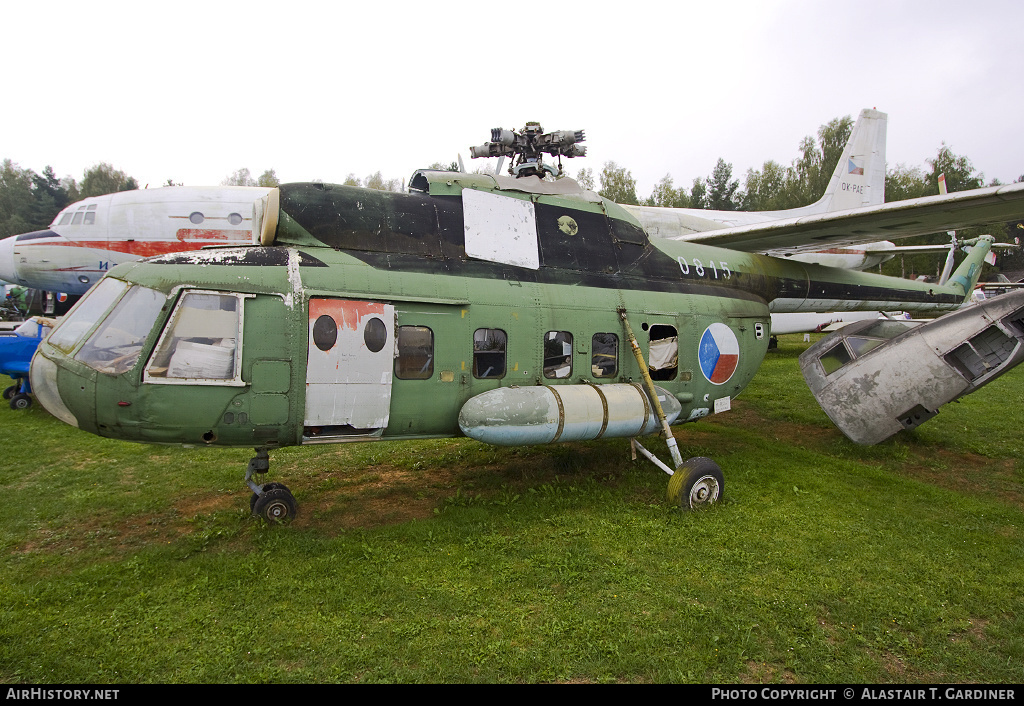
[8,272]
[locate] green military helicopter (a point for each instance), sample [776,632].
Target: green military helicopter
[513,310]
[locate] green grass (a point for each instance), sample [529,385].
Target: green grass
[450,561]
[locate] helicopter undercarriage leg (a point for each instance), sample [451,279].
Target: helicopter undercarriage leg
[271,501]
[695,482]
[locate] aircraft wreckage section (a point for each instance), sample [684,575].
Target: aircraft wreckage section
[874,378]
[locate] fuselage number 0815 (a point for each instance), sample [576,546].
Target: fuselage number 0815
[700,270]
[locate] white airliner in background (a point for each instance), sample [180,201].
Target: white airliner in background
[91,236]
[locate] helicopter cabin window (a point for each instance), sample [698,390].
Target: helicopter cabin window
[415,359]
[489,353]
[201,342]
[664,352]
[557,354]
[604,355]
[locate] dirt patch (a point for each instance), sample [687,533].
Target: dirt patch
[970,474]
[379,495]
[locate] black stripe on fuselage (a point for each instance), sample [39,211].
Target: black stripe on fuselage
[418,233]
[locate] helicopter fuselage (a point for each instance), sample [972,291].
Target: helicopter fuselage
[373,315]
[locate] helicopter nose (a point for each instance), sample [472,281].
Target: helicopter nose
[43,378]
[8,272]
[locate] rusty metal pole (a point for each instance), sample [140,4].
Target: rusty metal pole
[677,459]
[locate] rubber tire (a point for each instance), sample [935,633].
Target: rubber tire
[10,391]
[21,401]
[276,505]
[696,484]
[266,487]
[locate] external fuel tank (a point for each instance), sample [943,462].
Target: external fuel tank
[513,416]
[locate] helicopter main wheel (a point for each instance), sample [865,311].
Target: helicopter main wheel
[696,484]
[21,401]
[276,505]
[10,392]
[267,487]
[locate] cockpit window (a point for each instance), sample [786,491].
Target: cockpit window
[87,313]
[860,345]
[117,342]
[887,329]
[201,341]
[862,342]
[835,358]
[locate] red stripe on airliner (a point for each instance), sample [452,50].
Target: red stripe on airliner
[145,248]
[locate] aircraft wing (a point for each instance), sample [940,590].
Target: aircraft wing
[888,221]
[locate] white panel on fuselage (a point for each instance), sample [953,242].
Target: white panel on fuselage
[500,229]
[347,381]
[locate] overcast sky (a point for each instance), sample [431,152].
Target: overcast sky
[192,91]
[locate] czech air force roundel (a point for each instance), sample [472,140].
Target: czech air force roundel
[718,353]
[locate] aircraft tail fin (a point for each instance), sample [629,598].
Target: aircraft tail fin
[859,178]
[966,275]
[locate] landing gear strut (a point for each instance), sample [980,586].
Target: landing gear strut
[271,501]
[696,482]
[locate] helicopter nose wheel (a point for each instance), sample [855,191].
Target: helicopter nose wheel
[275,505]
[271,501]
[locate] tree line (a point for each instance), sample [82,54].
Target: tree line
[775,187]
[29,201]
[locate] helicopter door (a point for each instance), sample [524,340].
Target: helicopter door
[349,366]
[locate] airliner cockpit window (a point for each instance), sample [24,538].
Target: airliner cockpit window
[200,344]
[117,342]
